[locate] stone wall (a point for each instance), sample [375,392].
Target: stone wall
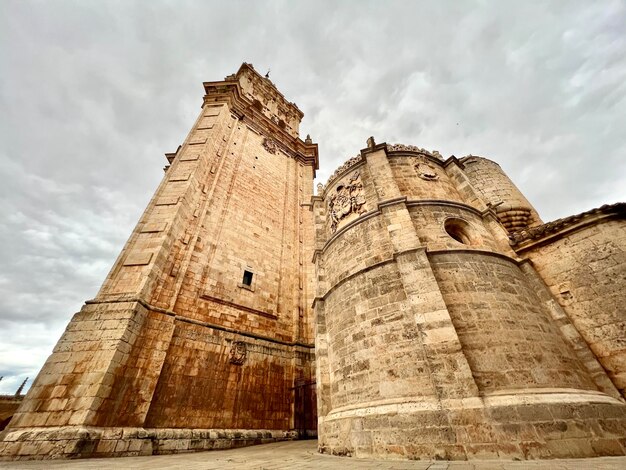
[434,340]
[78,377]
[407,170]
[204,322]
[585,270]
[370,338]
[218,380]
[429,220]
[508,338]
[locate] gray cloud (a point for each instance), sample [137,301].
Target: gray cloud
[93,93]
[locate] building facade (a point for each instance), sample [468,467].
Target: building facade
[453,324]
[415,307]
[201,336]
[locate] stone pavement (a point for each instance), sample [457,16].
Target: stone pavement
[303,455]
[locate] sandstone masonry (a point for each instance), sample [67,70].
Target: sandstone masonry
[414,308]
[453,324]
[201,336]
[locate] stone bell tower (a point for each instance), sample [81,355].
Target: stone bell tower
[201,336]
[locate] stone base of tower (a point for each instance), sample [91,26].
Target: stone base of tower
[521,426]
[81,442]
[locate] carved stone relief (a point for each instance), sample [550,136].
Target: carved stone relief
[413,148]
[426,171]
[406,148]
[238,353]
[269,145]
[348,199]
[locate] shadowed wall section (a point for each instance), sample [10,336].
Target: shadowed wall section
[583,262]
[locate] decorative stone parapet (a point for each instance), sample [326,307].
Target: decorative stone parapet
[413,148]
[353,161]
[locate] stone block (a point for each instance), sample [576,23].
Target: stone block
[106,447]
[167,200]
[606,447]
[154,227]
[138,259]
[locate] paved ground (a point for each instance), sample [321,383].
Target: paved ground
[303,455]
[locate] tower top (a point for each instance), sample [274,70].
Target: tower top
[259,93]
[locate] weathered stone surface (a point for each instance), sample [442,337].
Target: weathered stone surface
[450,323]
[174,342]
[437,341]
[73,442]
[584,267]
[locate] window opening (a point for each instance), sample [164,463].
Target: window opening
[247,278]
[458,229]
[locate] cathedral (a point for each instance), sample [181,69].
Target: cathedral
[413,307]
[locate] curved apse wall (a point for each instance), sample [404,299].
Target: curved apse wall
[509,340]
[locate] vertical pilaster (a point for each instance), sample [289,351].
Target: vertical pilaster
[464,185]
[473,198]
[450,372]
[322,368]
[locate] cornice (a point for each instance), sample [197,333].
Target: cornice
[429,253]
[390,202]
[128,299]
[474,252]
[536,236]
[350,164]
[292,146]
[445,203]
[468,158]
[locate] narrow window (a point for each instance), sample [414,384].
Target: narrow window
[247,278]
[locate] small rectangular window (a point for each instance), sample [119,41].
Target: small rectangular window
[247,278]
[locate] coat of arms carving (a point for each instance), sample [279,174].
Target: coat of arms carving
[349,199]
[269,145]
[238,353]
[426,171]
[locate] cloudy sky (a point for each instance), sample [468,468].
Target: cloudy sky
[93,93]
